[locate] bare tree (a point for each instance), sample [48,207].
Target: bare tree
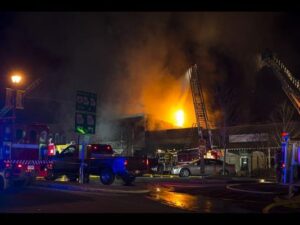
[229,114]
[282,119]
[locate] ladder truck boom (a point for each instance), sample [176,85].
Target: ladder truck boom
[199,104]
[290,85]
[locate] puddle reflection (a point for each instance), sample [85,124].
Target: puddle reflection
[179,200]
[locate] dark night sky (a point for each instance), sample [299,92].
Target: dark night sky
[110,53]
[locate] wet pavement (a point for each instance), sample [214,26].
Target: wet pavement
[195,203]
[171,194]
[213,196]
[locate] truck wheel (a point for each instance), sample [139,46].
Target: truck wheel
[107,176]
[128,179]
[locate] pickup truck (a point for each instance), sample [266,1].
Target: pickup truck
[99,160]
[139,165]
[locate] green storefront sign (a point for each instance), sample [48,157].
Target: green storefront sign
[85,116]
[86,101]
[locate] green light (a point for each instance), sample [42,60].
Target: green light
[80,130]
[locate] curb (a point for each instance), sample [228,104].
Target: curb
[230,187]
[276,204]
[88,189]
[191,186]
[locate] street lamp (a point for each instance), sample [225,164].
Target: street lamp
[16,79]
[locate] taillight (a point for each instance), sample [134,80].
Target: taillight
[19,165]
[283,165]
[51,151]
[7,165]
[147,162]
[125,162]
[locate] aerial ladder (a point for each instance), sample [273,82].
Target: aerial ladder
[291,87]
[199,104]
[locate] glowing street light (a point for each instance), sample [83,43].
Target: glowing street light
[16,79]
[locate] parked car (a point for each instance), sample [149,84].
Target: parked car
[212,167]
[5,175]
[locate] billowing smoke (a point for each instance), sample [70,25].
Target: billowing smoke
[137,61]
[163,45]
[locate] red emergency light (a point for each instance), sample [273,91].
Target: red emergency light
[51,149]
[284,134]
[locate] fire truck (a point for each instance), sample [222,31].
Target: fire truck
[24,150]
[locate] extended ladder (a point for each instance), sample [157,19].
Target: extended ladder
[198,100]
[290,85]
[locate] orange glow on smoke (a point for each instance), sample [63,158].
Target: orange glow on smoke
[165,99]
[170,102]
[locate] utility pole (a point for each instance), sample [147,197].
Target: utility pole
[285,146]
[14,116]
[16,79]
[85,123]
[291,170]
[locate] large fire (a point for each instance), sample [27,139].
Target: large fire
[170,102]
[166,99]
[179,118]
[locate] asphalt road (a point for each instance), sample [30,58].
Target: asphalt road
[40,200]
[166,196]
